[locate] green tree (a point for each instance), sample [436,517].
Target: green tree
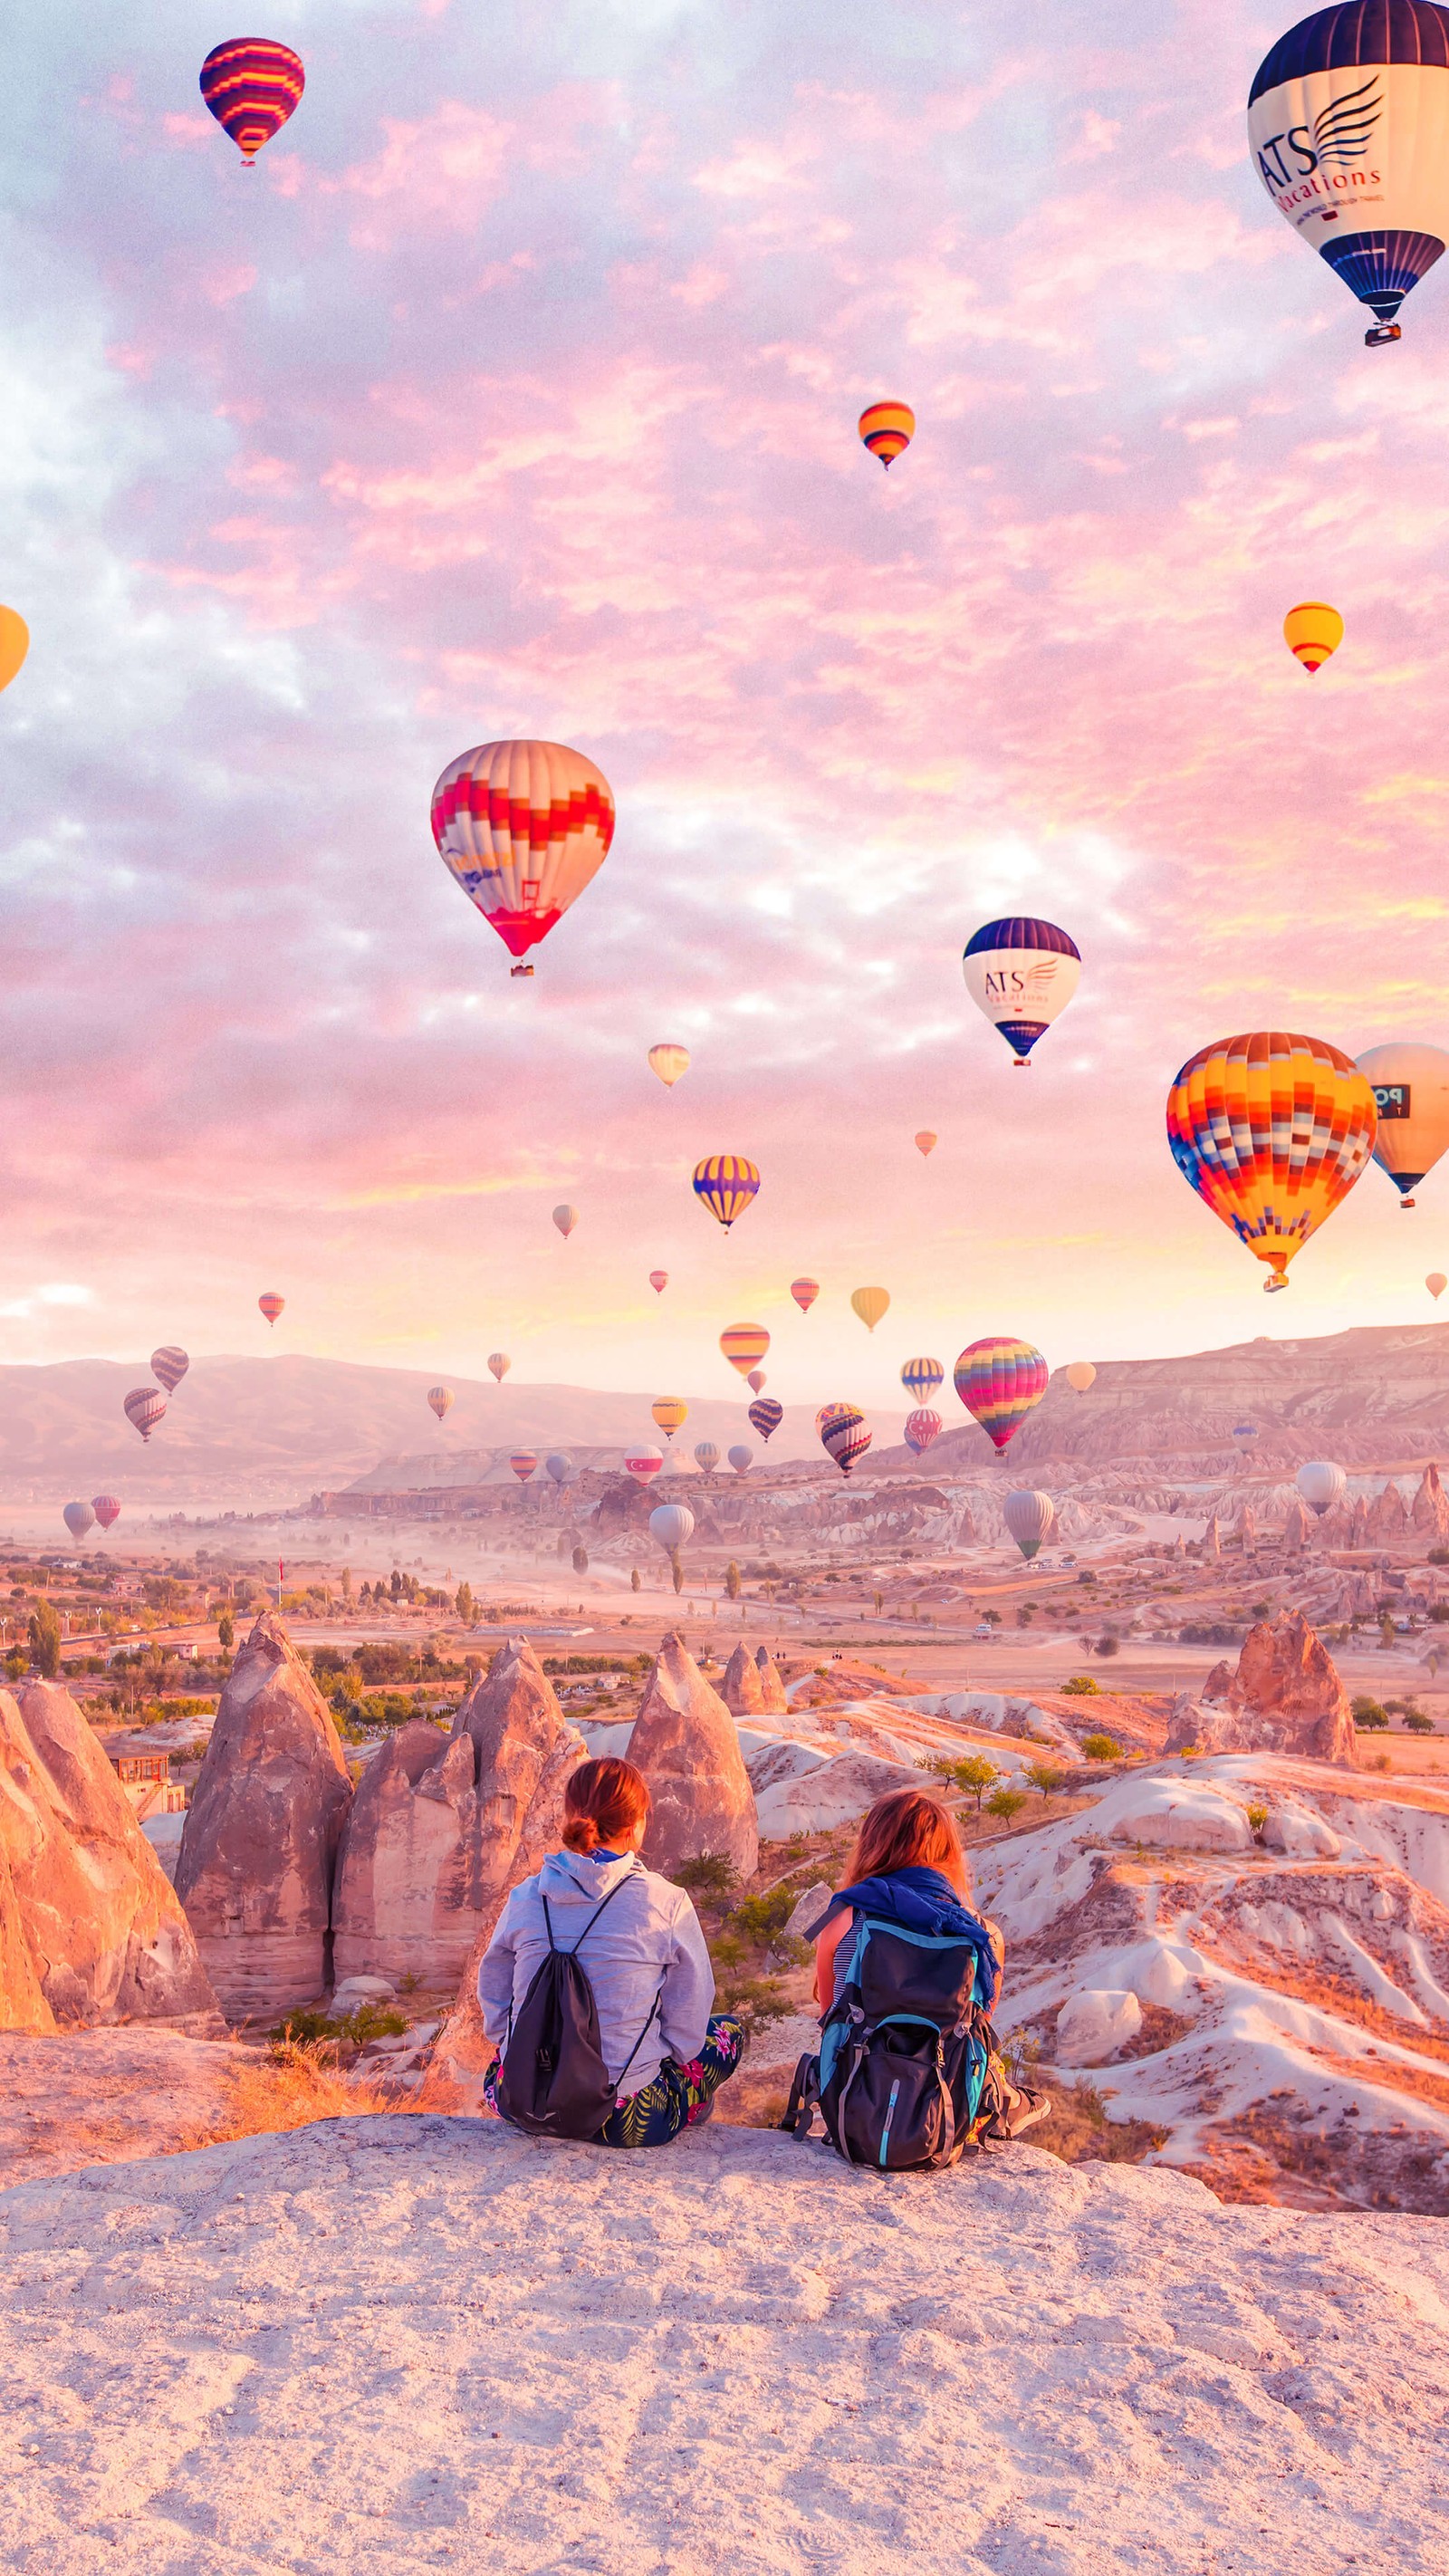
[973,1775]
[464,1605]
[1043,1776]
[732,1580]
[1367,1714]
[1101,1748]
[226,1633]
[1081,1686]
[1006,1803]
[1418,1721]
[44,1633]
[992,1618]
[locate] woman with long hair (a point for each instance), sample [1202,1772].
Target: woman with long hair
[907,1868]
[644,1953]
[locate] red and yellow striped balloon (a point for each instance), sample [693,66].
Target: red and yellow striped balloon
[1272,1131]
[887,429]
[251,85]
[744,1346]
[998,1380]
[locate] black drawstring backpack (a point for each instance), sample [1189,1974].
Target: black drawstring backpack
[553,2081]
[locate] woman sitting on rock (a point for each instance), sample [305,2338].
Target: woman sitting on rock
[639,1940]
[907,1868]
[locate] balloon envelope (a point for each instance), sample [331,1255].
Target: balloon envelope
[887,428]
[765,1416]
[999,1379]
[844,1434]
[1030,1517]
[440,1398]
[522,827]
[1436,1283]
[1312,631]
[921,1378]
[560,1466]
[1245,1433]
[523,1463]
[1272,1131]
[922,1427]
[755,1381]
[1320,1483]
[1021,973]
[272,1305]
[143,1409]
[706,1456]
[251,85]
[742,1459]
[78,1518]
[1411,1095]
[1081,1375]
[804,1292]
[499,1365]
[744,1346]
[107,1510]
[658,1281]
[643,1463]
[725,1184]
[14,644]
[925,1140]
[669,1062]
[669,1412]
[672,1524]
[870,1304]
[169,1366]
[565,1218]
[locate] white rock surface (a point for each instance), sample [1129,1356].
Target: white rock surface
[1189,1815]
[1095,2024]
[816,1801]
[394,2344]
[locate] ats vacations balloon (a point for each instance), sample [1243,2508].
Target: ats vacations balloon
[1021,973]
[523,827]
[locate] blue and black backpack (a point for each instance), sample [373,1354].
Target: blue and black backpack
[909,2074]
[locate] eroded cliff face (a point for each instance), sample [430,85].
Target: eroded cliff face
[686,1744]
[1285,1696]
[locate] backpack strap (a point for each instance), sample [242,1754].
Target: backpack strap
[639,2042]
[804,2097]
[578,1945]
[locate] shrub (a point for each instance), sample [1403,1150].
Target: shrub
[1102,1748]
[1006,1803]
[759,1918]
[1108,1645]
[1081,1686]
[708,1874]
[1257,1818]
[973,1775]
[1367,1714]
[1042,1776]
[1418,1721]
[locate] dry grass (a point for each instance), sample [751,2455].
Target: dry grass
[1327,1991]
[1079,2129]
[295,2083]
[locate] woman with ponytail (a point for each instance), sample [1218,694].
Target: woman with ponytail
[644,1953]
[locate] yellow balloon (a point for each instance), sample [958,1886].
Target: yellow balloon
[870,1304]
[14,644]
[669,1061]
[669,1412]
[1081,1375]
[1312,631]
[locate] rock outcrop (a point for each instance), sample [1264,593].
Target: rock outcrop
[442,1827]
[90,1931]
[774,1702]
[1298,1528]
[1284,1697]
[257,1856]
[1387,1518]
[687,1747]
[742,1689]
[1430,1510]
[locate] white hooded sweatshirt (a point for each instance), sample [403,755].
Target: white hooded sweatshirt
[648,1943]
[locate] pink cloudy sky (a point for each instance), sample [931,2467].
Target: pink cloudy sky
[514,392]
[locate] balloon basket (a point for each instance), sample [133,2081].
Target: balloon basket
[1406,1203]
[1022,1063]
[1382,334]
[520,970]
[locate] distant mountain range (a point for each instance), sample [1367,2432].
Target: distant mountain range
[263,1431]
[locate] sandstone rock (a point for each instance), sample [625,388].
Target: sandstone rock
[686,1745]
[405,1889]
[1298,1832]
[1358,1523]
[742,1689]
[1430,1511]
[785,1759]
[1212,1540]
[262,1830]
[1217,1686]
[808,1909]
[22,2003]
[105,1937]
[817,1801]
[1096,2025]
[1387,1518]
[774,1702]
[1246,1527]
[1180,1815]
[1298,1528]
[1285,1697]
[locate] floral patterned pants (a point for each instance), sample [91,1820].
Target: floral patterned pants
[676,2098]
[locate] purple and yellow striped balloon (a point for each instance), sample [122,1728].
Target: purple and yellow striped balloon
[251,85]
[999,1380]
[726,1183]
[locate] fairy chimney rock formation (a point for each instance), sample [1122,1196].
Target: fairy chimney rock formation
[1285,1697]
[1430,1512]
[1387,1518]
[1247,1529]
[261,1834]
[90,1930]
[742,1689]
[774,1703]
[1212,1541]
[1298,1529]
[1358,1523]
[686,1744]
[522,1749]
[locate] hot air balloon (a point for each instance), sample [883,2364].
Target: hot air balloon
[921,1378]
[669,1061]
[1080,1375]
[1320,1483]
[169,1366]
[756,1381]
[1348,126]
[658,1281]
[726,1184]
[107,1510]
[523,826]
[251,85]
[143,1409]
[14,644]
[441,1400]
[765,1416]
[272,1306]
[560,1466]
[925,1140]
[887,429]
[499,1365]
[804,1292]
[565,1218]
[870,1304]
[1272,1130]
[844,1434]
[1021,973]
[1411,1094]
[1312,631]
[706,1456]
[1030,1517]
[672,1525]
[1245,1433]
[922,1427]
[669,1412]
[742,1459]
[78,1518]
[999,1380]
[744,1345]
[523,1463]
[643,1463]
[1436,1283]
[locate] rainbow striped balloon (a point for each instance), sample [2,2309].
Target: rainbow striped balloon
[999,1380]
[726,1183]
[744,1346]
[251,85]
[887,429]
[523,1463]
